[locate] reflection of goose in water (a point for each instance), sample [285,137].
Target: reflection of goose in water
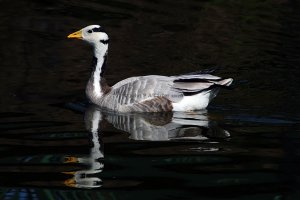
[141,126]
[88,178]
[160,126]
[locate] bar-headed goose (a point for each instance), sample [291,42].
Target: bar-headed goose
[151,93]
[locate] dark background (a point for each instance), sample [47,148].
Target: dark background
[254,42]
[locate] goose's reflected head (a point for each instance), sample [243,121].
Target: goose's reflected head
[93,34]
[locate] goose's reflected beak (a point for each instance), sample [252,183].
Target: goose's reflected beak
[77,35]
[70,182]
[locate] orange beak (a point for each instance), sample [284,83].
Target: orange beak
[76,35]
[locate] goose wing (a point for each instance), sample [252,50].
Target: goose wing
[157,93]
[174,88]
[143,89]
[191,84]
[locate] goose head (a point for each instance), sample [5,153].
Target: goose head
[93,34]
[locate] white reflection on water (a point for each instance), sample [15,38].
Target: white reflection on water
[160,126]
[89,178]
[175,126]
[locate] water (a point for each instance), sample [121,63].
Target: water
[244,146]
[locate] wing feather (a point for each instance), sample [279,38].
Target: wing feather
[137,89]
[193,84]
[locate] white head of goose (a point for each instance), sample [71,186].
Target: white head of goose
[153,93]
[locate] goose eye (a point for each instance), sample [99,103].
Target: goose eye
[89,31]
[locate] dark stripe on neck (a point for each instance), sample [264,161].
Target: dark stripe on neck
[104,65]
[94,63]
[104,41]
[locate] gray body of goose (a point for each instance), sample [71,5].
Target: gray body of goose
[151,93]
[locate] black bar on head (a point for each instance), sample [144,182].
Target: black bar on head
[99,29]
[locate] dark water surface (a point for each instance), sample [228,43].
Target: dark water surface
[244,146]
